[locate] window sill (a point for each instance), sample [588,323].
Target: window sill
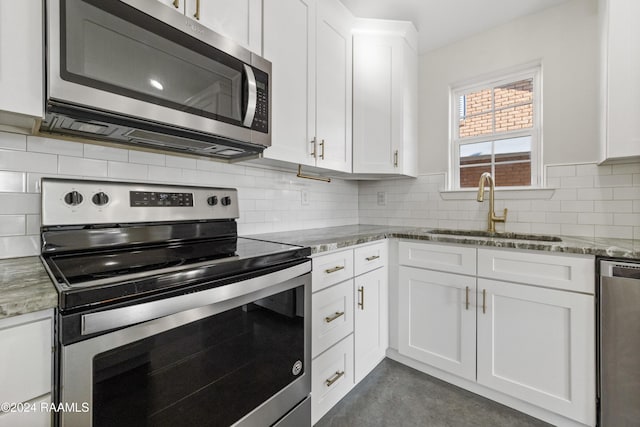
[501,193]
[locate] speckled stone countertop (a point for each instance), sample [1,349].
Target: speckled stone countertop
[331,238]
[25,287]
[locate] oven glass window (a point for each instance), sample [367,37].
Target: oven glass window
[210,372]
[140,57]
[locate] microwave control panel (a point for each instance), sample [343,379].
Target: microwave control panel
[261,118]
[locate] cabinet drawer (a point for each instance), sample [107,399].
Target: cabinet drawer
[331,269]
[451,259]
[332,311]
[370,257]
[567,272]
[35,417]
[331,377]
[25,363]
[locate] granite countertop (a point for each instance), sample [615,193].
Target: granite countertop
[25,287]
[331,238]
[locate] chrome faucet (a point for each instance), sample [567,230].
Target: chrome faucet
[492,216]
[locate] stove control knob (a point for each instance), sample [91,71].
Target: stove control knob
[226,201]
[212,201]
[73,198]
[100,199]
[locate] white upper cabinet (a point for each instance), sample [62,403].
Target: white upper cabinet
[333,86]
[309,45]
[620,136]
[240,20]
[385,103]
[289,43]
[21,64]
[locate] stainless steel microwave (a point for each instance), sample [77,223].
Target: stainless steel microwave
[139,72]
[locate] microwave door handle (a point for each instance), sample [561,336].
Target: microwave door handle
[252,99]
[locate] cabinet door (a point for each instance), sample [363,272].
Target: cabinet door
[176,4]
[437,320]
[377,103]
[289,43]
[537,345]
[622,83]
[371,337]
[333,86]
[21,53]
[240,20]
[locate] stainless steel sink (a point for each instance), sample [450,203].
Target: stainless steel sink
[495,235]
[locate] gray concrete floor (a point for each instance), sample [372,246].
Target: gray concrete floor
[394,395]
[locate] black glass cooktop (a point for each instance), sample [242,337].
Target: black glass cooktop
[110,276]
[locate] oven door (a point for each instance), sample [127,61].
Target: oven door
[236,358]
[142,59]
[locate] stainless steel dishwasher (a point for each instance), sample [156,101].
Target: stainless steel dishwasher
[619,343]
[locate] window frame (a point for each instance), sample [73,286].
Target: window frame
[533,72]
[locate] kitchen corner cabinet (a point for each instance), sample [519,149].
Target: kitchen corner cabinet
[25,367]
[309,45]
[385,102]
[240,20]
[21,65]
[620,92]
[516,322]
[349,321]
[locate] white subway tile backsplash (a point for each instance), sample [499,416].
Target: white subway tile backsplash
[19,246]
[33,224]
[562,217]
[626,219]
[595,194]
[54,146]
[577,206]
[613,206]
[180,162]
[13,141]
[626,193]
[22,161]
[625,180]
[100,152]
[12,182]
[82,167]
[623,169]
[636,206]
[593,169]
[595,218]
[585,181]
[19,203]
[127,171]
[146,158]
[162,174]
[12,225]
[613,231]
[561,171]
[577,230]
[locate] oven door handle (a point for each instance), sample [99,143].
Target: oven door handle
[125,316]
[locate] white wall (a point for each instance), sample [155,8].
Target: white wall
[564,39]
[269,200]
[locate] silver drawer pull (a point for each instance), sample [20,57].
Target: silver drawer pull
[371,258]
[333,317]
[334,378]
[334,269]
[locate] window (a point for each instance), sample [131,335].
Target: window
[496,128]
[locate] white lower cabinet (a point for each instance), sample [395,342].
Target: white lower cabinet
[25,368]
[438,319]
[532,342]
[371,321]
[349,335]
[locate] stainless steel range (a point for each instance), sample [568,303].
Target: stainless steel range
[165,316]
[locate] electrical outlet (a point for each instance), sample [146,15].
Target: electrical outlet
[304,197]
[382,198]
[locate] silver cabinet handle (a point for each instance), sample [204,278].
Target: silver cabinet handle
[361,297]
[484,301]
[333,317]
[253,95]
[329,382]
[467,298]
[372,257]
[322,150]
[334,269]
[395,159]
